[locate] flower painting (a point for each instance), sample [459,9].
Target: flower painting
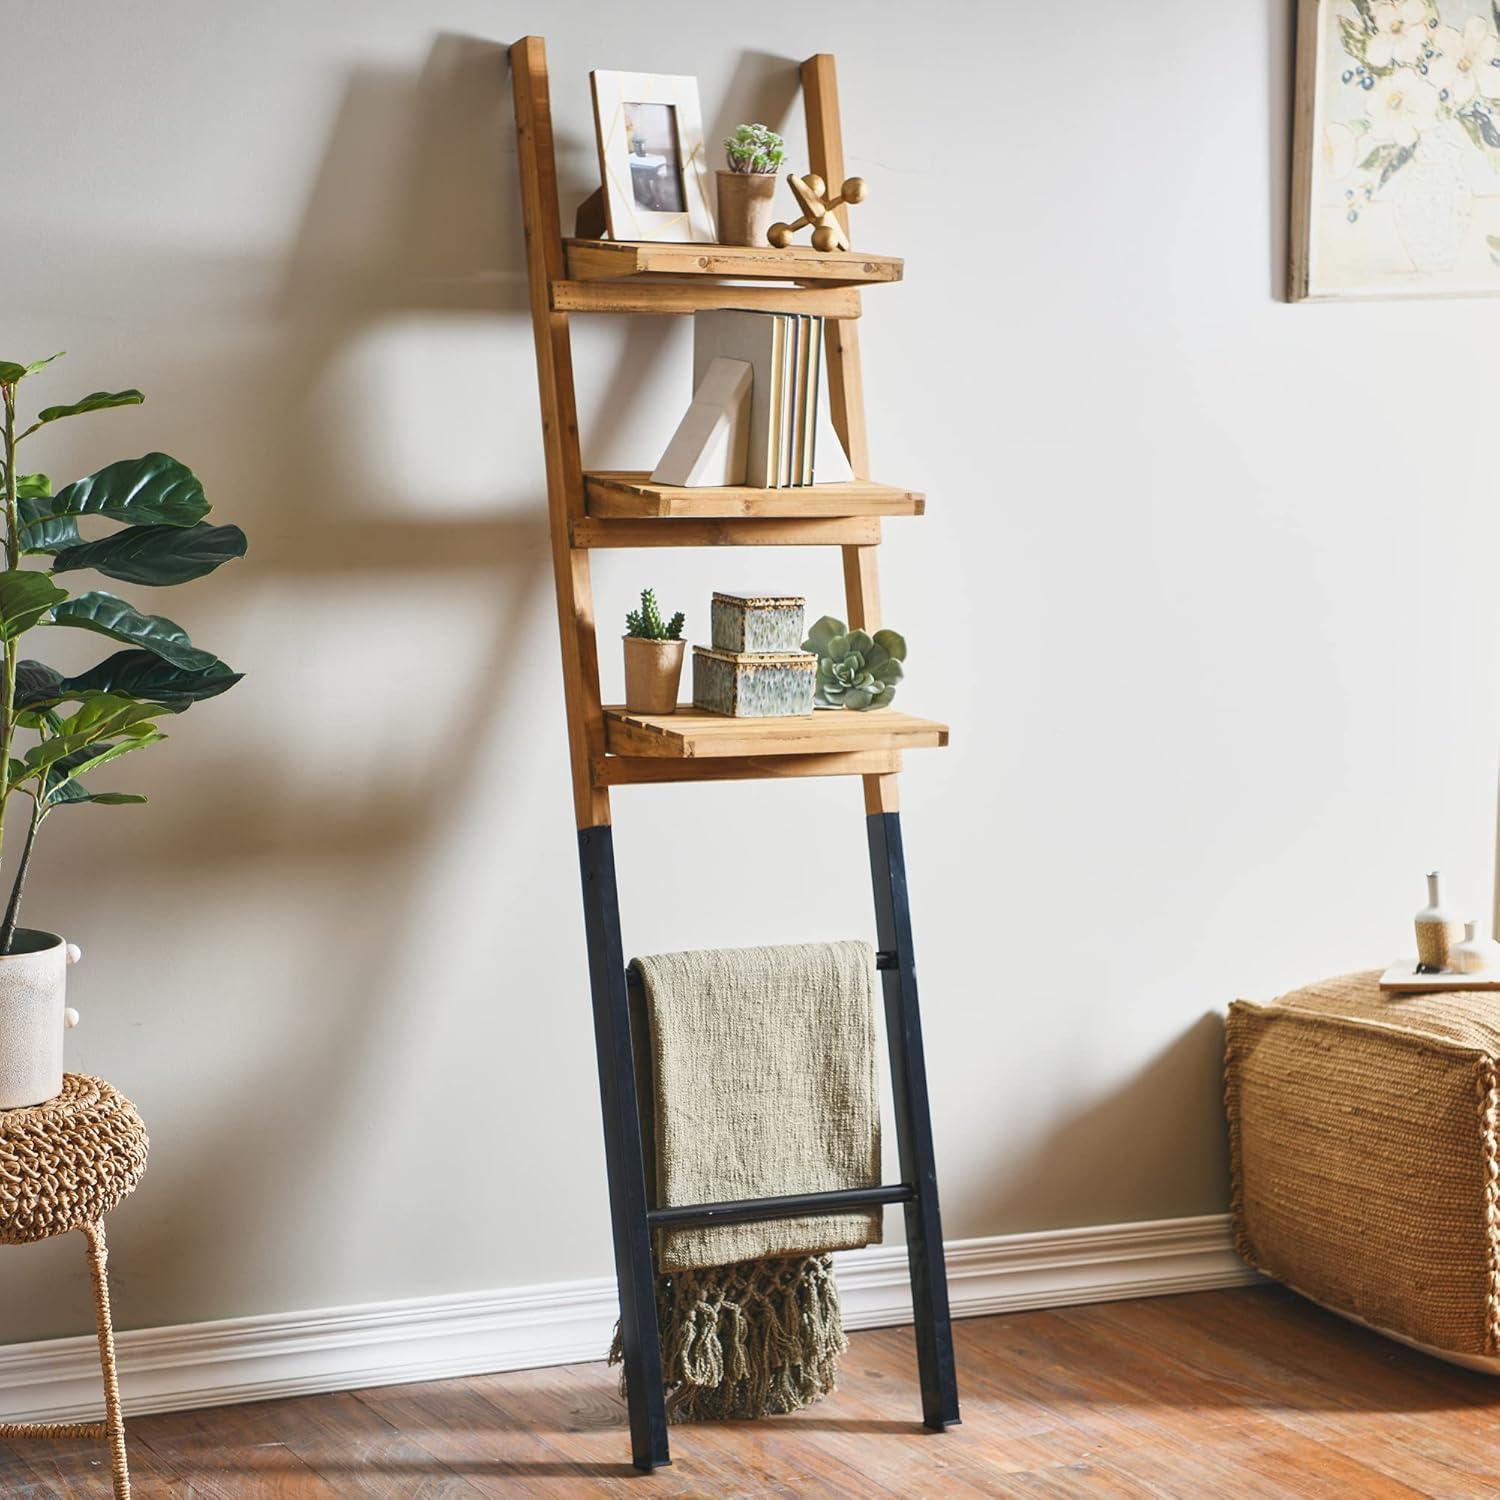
[1396,185]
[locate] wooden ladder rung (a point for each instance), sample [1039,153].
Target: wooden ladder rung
[651,770]
[813,531]
[787,1206]
[689,297]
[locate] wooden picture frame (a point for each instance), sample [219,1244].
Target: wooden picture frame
[1395,150]
[652,162]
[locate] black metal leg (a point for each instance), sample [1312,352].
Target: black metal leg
[622,1151]
[903,1024]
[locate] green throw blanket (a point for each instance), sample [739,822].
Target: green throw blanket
[757,1076]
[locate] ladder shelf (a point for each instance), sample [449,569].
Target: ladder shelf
[690,733]
[625,494]
[610,747]
[612,260]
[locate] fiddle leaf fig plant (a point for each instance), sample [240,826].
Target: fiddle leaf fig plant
[73,725]
[855,670]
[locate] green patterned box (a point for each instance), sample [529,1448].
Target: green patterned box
[750,685]
[756,622]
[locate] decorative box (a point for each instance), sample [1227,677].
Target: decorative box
[753,685]
[756,622]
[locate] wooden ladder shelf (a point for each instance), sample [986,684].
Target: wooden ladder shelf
[612,747]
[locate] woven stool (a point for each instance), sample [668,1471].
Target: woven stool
[64,1165]
[1364,1137]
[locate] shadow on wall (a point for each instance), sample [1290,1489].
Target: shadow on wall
[415,210]
[1162,1133]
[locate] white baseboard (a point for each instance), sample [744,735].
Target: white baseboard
[428,1338]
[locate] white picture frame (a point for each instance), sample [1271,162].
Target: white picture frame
[652,162]
[1396,150]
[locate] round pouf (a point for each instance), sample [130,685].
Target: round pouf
[68,1162]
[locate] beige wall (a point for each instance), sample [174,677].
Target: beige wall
[1206,591]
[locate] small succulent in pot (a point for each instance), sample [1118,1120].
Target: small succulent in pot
[754,148]
[646,623]
[855,670]
[654,650]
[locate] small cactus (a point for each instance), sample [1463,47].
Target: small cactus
[754,148]
[855,670]
[646,622]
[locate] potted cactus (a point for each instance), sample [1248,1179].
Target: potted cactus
[56,729]
[855,670]
[653,657]
[754,154]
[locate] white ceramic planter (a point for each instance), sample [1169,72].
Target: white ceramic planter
[33,1017]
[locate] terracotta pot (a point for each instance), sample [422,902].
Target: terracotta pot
[745,207]
[652,671]
[33,1017]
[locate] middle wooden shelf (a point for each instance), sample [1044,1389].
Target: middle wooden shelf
[618,494]
[692,732]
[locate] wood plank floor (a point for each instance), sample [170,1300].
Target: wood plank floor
[1244,1394]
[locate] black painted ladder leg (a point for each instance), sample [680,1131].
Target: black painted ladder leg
[903,1024]
[624,1162]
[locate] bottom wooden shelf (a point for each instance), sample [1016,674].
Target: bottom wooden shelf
[691,734]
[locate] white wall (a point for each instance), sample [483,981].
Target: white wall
[1205,590]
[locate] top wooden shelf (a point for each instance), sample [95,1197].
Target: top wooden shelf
[613,260]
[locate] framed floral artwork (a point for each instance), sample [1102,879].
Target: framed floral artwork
[651,157]
[1396,149]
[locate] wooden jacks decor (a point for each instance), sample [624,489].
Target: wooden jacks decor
[809,192]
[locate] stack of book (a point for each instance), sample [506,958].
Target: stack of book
[759,414]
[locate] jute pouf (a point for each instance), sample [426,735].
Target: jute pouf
[64,1165]
[1366,1172]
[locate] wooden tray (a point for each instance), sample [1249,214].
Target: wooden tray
[1402,979]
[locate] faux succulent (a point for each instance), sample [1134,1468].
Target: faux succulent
[754,148]
[76,724]
[855,670]
[646,622]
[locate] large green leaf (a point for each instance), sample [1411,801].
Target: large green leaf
[141,674]
[155,490]
[113,617]
[42,530]
[96,401]
[25,596]
[156,555]
[37,684]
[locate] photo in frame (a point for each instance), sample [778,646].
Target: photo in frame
[1396,150]
[651,157]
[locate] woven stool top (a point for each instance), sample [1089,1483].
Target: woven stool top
[67,1162]
[1467,1019]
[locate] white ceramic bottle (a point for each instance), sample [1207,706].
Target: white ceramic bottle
[1475,955]
[1437,929]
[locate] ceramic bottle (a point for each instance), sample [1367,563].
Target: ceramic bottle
[1437,928]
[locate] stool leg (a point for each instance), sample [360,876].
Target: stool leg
[114,1418]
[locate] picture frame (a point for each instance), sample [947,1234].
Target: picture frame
[1395,150]
[652,161]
